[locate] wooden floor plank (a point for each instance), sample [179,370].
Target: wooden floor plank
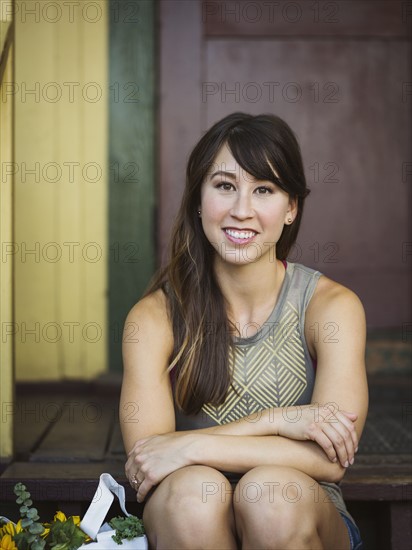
[33,417]
[81,434]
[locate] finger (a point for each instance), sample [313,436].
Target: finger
[135,482]
[350,427]
[338,441]
[133,462]
[128,464]
[326,444]
[144,488]
[133,449]
[137,444]
[335,416]
[346,434]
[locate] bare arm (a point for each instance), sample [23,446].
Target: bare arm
[146,402]
[336,333]
[340,369]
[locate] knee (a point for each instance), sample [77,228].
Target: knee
[270,493]
[191,495]
[272,506]
[193,487]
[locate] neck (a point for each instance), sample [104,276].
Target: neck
[249,288]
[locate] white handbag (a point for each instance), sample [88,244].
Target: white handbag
[92,522]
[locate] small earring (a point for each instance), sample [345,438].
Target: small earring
[290,220]
[199,212]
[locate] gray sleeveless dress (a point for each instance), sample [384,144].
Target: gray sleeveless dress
[272,368]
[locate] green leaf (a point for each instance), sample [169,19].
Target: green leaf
[19,488]
[26,522]
[28,502]
[126,528]
[36,528]
[32,513]
[38,545]
[65,535]
[23,510]
[19,500]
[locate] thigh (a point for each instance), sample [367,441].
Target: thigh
[333,530]
[292,503]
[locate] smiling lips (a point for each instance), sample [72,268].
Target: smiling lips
[240,237]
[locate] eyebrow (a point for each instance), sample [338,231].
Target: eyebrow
[223,173]
[233,177]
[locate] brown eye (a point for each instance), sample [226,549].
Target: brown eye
[225,185]
[263,190]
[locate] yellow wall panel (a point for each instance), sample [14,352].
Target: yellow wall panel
[95,191]
[62,291]
[70,298]
[35,200]
[6,265]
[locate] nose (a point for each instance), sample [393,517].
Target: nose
[242,206]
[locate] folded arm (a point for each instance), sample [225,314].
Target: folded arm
[155,449]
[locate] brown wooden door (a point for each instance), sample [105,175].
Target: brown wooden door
[340,74]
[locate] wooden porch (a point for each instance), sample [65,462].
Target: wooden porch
[67,434]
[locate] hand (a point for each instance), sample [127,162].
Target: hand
[332,429]
[155,457]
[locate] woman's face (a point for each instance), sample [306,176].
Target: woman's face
[242,218]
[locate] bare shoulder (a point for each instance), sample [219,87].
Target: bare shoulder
[149,322]
[334,308]
[330,296]
[151,311]
[151,308]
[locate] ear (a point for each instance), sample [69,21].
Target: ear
[292,210]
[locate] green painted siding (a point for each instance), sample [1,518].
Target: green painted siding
[131,156]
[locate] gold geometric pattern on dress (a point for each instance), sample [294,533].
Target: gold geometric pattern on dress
[270,373]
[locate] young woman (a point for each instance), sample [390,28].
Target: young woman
[248,373]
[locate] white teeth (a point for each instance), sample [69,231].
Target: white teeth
[240,234]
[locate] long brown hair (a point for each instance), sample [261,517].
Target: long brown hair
[201,329]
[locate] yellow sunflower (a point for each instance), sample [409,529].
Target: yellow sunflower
[7,543]
[10,528]
[59,516]
[45,532]
[76,520]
